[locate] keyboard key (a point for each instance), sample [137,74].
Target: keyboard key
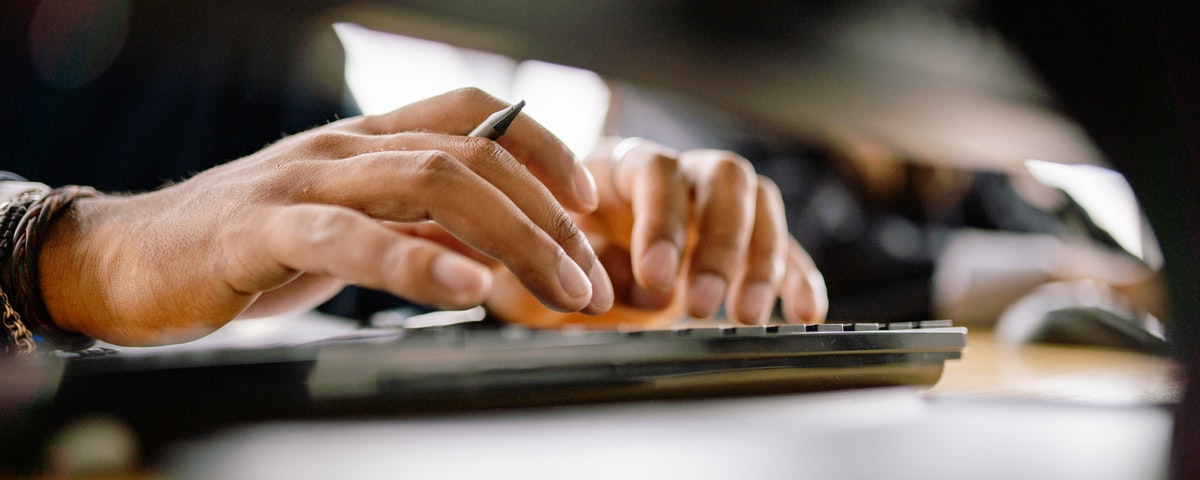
[792,329]
[703,332]
[750,331]
[655,334]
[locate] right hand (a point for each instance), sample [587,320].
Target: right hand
[287,227]
[684,232]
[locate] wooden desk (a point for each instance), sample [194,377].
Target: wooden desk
[995,369]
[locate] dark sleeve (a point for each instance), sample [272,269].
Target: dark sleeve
[154,92]
[877,264]
[183,87]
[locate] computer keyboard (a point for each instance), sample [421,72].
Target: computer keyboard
[477,365]
[165,395]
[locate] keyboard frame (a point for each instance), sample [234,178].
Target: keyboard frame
[466,367]
[167,396]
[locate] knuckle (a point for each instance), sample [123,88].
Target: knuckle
[767,264]
[289,180]
[368,123]
[484,152]
[727,247]
[721,254]
[469,96]
[768,187]
[662,168]
[664,163]
[436,167]
[470,93]
[563,228]
[329,143]
[736,172]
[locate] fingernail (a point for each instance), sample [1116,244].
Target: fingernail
[463,278]
[706,294]
[573,281]
[585,187]
[660,265]
[602,289]
[755,303]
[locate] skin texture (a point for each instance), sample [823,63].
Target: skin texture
[403,202]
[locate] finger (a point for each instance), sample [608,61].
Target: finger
[528,232]
[435,233]
[725,200]
[752,296]
[617,262]
[341,243]
[304,293]
[459,111]
[649,177]
[805,298]
[504,172]
[487,160]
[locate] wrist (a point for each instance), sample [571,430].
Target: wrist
[71,277]
[27,220]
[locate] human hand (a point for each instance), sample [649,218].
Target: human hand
[681,233]
[293,223]
[981,274]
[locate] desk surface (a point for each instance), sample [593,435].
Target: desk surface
[994,369]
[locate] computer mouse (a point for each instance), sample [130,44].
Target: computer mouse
[1096,327]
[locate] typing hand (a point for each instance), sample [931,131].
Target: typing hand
[682,233]
[290,225]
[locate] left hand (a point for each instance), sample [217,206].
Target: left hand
[682,233]
[289,225]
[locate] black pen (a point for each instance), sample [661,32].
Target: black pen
[498,122]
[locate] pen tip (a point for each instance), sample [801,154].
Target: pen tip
[507,118]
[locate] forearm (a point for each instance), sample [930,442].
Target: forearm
[981,273]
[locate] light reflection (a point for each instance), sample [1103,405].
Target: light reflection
[385,71]
[1107,197]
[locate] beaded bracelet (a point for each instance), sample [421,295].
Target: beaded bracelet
[20,273]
